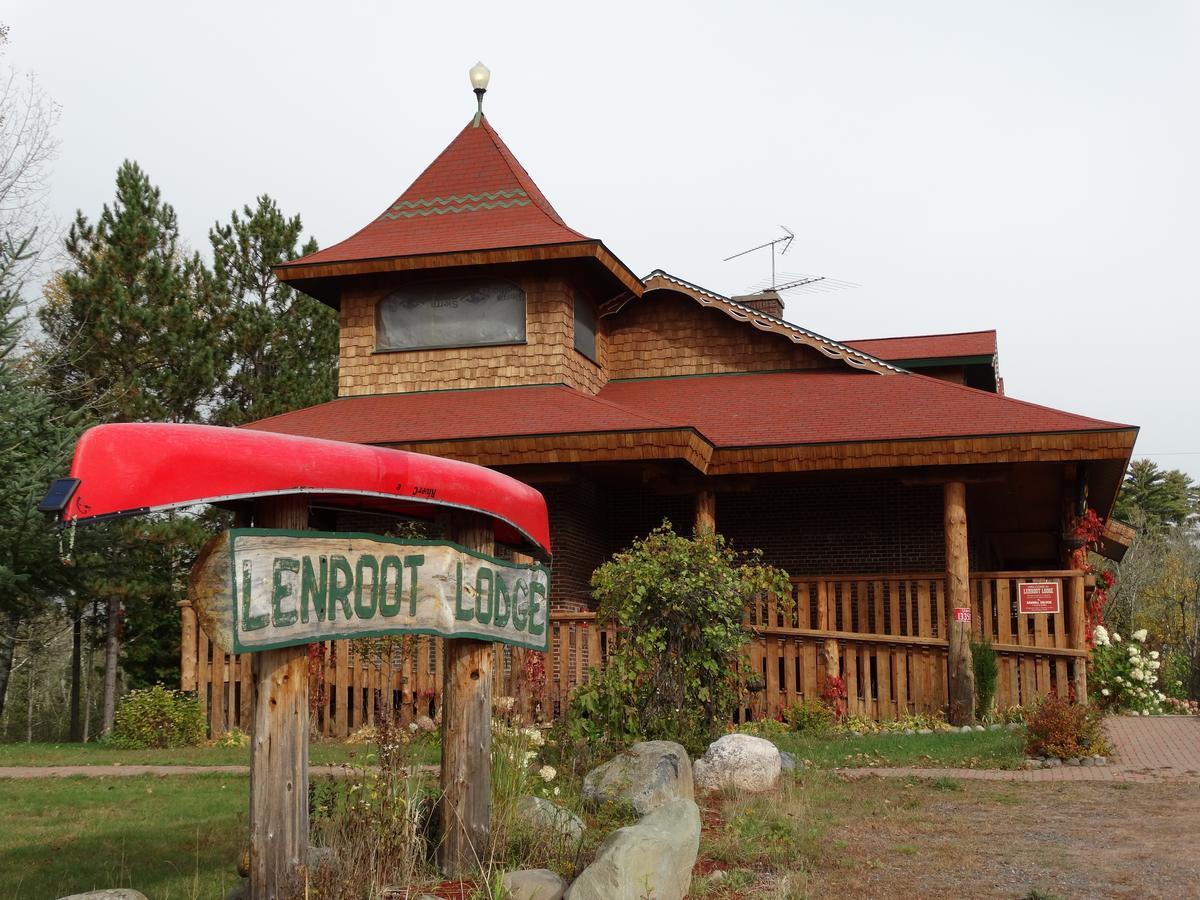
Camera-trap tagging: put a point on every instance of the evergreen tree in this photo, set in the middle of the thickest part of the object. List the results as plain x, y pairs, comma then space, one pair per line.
1156, 497
134, 333
282, 346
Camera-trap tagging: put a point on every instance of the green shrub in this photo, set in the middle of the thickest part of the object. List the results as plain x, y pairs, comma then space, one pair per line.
983, 660
764, 728
1057, 727
811, 717
157, 717
676, 672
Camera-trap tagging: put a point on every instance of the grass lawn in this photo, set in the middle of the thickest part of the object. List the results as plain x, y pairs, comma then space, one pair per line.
319, 753
976, 750
171, 838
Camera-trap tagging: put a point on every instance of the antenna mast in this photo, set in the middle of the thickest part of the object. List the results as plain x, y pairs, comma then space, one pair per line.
786, 240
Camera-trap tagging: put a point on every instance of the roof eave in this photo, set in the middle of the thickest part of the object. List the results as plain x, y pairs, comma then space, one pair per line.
321, 280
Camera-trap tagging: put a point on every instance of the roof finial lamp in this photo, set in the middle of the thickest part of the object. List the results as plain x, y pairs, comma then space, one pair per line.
480, 76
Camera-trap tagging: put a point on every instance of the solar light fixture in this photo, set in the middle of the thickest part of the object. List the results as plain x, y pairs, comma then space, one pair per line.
480, 76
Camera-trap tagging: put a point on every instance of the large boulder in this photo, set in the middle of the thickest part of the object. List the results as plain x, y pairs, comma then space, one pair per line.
653, 858
541, 815
740, 761
646, 776
108, 894
534, 884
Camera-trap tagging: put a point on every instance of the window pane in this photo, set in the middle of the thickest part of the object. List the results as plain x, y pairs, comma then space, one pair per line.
451, 314
585, 327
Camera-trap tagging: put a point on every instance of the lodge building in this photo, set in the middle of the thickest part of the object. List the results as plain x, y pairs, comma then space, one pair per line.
476, 324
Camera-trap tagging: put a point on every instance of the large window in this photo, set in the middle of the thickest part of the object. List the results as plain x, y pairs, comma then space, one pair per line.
467, 313
585, 327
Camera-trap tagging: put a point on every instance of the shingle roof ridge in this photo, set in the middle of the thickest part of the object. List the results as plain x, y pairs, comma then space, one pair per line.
751, 311
661, 423
908, 337
988, 396
525, 179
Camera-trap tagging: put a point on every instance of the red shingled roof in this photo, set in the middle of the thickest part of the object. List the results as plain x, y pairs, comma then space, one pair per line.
928, 346
474, 196
805, 407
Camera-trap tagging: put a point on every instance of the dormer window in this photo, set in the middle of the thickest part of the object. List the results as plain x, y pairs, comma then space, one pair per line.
585, 327
462, 313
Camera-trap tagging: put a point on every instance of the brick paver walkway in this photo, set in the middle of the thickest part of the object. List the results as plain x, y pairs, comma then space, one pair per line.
1157, 748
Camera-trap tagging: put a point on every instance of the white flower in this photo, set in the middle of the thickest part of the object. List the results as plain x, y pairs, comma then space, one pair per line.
1140, 635
1120, 680
1136, 675
1116, 637
412, 727
1104, 691
547, 773
1100, 636
1154, 664
556, 791
1154, 654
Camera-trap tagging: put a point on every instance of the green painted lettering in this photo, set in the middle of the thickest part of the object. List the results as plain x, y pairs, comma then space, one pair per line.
341, 583
281, 590
536, 589
520, 611
502, 609
314, 587
483, 616
365, 605
463, 615
249, 622
413, 562
389, 601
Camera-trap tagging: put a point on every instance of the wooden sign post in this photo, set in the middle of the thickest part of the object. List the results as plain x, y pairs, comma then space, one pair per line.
272, 591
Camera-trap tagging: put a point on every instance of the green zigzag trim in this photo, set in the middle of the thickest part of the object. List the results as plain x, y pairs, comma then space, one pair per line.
472, 198
467, 207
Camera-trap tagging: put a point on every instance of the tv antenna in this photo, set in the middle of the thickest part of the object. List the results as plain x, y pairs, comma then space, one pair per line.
792, 281
786, 240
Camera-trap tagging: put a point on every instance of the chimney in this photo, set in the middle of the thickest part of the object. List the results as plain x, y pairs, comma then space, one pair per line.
764, 301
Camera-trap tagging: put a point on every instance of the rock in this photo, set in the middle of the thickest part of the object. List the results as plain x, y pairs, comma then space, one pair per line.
995, 726
1073, 761
653, 858
647, 775
425, 723
924, 731
742, 761
787, 762
542, 814
980, 728
966, 729
1013, 726
534, 884
1101, 760
1053, 762
318, 856
909, 732
108, 894
1087, 761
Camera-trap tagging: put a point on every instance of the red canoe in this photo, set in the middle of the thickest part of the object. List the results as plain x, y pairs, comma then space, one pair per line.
123, 470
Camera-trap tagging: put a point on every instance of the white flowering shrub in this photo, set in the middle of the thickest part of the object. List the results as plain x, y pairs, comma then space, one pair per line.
1124, 675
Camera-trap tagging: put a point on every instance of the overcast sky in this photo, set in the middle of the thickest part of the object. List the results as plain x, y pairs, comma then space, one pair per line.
1032, 167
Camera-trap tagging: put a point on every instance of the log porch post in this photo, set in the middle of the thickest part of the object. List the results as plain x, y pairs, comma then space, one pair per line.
278, 743
706, 511
466, 804
187, 646
961, 674
1078, 620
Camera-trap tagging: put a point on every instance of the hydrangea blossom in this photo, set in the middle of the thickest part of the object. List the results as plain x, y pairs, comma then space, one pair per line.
1100, 636
1140, 635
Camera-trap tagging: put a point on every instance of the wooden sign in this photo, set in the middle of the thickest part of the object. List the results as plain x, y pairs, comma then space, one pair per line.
260, 589
1039, 597
962, 614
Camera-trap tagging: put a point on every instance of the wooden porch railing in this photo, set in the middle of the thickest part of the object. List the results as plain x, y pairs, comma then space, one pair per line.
884, 635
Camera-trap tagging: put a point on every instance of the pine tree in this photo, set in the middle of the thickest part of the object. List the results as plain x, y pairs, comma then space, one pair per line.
282, 346
135, 333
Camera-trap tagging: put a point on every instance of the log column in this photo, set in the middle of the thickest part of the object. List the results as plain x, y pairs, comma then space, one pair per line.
187, 646
958, 595
706, 511
466, 804
1078, 622
279, 744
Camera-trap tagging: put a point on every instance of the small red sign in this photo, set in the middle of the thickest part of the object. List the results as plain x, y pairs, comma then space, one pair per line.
962, 614
1039, 597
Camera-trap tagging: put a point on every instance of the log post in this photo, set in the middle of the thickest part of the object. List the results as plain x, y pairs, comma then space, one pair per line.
1078, 620
706, 511
466, 804
958, 596
278, 744
520, 683
829, 651
187, 646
